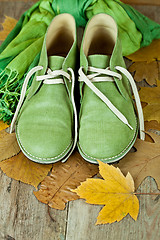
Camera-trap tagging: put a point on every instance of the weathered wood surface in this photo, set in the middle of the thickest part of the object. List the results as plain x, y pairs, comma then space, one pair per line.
82, 217
22, 217
137, 2
142, 2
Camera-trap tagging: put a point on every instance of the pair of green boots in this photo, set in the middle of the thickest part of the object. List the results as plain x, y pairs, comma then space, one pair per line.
46, 124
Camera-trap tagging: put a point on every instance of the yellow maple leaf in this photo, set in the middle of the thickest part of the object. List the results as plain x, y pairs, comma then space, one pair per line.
21, 168
151, 96
116, 192
148, 54
8, 24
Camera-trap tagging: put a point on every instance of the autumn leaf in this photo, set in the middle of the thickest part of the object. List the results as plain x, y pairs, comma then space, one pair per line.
8, 145
147, 71
55, 190
3, 125
144, 162
116, 192
147, 54
151, 125
152, 97
22, 169
8, 25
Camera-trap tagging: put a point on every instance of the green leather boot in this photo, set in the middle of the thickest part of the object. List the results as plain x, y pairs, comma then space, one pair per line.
108, 124
46, 127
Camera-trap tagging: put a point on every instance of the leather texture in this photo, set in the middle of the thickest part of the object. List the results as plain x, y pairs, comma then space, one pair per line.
45, 124
102, 136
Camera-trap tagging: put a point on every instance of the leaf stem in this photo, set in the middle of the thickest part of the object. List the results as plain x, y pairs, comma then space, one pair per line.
147, 193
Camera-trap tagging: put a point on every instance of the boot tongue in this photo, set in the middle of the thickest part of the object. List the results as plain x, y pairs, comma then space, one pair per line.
55, 62
98, 61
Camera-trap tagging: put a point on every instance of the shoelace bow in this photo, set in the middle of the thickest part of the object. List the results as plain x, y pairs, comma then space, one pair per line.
49, 78
95, 77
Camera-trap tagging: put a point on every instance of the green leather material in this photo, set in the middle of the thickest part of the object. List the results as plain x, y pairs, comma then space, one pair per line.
42, 62
45, 123
102, 136
116, 60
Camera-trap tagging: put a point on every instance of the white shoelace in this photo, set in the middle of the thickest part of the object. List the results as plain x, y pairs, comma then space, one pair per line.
49, 78
95, 77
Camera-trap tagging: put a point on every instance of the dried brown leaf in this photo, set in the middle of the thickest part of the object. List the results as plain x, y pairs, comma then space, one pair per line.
147, 71
151, 96
147, 54
144, 162
8, 145
152, 125
21, 168
56, 189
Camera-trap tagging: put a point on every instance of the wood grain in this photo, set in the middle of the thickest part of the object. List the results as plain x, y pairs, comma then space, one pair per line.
143, 2
82, 217
13, 9
137, 2
23, 217
25, 1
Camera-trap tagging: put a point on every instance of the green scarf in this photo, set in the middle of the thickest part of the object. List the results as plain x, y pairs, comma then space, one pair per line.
21, 50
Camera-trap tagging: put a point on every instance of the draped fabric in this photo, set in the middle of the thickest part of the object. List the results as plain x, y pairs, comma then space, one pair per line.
21, 50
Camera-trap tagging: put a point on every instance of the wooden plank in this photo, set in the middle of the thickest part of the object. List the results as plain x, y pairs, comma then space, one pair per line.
25, 1
22, 216
153, 12
143, 2
13, 9
136, 2
82, 217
